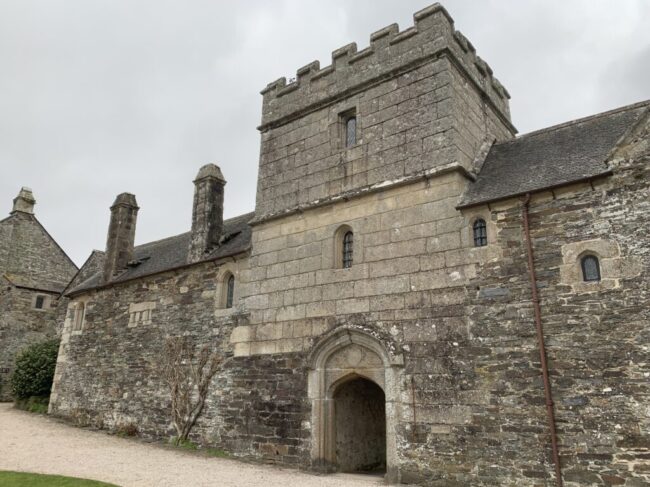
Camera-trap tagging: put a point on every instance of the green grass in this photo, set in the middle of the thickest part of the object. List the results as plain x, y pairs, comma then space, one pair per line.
33, 404
20, 479
184, 444
190, 445
216, 452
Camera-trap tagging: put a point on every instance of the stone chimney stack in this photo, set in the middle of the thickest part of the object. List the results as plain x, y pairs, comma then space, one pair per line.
24, 202
121, 235
207, 211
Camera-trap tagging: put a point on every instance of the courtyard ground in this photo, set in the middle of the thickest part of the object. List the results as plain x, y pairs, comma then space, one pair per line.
36, 443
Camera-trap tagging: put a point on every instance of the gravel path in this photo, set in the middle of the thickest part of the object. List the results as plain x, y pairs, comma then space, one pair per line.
39, 444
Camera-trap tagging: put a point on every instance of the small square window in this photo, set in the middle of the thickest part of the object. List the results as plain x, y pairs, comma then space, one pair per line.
40, 302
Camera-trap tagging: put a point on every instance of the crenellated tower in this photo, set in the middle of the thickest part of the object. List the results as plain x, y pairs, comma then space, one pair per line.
418, 101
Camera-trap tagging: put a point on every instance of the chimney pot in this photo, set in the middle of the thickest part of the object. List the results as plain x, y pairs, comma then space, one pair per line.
24, 202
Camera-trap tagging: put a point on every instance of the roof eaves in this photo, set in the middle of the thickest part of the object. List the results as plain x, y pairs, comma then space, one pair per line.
604, 173
161, 271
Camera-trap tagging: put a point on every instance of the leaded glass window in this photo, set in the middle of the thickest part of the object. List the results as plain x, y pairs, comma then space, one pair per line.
347, 250
590, 268
350, 131
480, 233
230, 291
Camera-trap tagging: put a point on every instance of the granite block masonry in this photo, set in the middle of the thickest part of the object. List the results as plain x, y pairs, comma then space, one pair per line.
375, 312
33, 272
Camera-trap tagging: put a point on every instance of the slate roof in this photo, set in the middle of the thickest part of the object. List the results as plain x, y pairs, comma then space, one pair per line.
170, 253
555, 156
33, 282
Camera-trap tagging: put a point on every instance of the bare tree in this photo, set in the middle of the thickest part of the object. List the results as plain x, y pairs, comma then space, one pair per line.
188, 375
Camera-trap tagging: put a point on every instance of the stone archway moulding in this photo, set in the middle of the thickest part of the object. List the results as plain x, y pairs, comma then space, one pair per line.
342, 355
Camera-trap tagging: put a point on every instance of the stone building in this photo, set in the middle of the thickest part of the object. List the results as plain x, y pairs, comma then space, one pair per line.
386, 306
34, 270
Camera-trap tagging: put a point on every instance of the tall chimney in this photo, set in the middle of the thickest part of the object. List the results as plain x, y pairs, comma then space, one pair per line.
207, 212
121, 235
24, 202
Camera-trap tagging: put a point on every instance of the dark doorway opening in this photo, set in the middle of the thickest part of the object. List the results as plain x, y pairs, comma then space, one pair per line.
360, 427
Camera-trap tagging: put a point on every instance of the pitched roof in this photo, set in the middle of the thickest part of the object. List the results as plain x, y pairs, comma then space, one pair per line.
30, 257
555, 156
171, 253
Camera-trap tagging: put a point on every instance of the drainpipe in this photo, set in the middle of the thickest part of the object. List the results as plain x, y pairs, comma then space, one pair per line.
540, 339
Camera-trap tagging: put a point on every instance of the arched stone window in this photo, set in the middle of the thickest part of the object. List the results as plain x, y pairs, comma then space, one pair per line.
347, 250
590, 268
230, 290
78, 320
480, 233
343, 247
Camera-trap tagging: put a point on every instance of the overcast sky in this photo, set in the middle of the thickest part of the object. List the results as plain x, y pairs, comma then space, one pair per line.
102, 97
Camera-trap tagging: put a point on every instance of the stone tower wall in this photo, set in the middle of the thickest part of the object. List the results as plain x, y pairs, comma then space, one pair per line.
423, 100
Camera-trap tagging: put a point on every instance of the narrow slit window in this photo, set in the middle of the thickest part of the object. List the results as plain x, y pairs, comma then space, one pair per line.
79, 316
230, 291
590, 268
348, 240
480, 233
351, 131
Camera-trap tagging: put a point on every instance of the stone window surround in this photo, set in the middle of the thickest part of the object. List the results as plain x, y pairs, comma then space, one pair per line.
471, 216
322, 384
613, 266
47, 302
342, 123
78, 316
478, 226
141, 313
221, 293
339, 235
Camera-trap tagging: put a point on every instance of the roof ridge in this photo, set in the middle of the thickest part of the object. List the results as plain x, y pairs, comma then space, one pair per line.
238, 217
576, 121
164, 239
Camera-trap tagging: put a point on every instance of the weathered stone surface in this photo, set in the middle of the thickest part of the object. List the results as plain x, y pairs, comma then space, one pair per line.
444, 328
32, 266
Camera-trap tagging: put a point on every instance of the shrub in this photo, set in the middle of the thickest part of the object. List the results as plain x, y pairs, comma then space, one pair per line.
34, 370
33, 404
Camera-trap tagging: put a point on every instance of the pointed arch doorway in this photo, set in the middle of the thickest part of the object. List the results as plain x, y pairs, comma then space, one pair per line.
353, 384
359, 428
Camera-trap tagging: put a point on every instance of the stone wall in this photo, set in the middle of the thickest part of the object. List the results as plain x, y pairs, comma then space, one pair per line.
445, 329
465, 402
31, 265
22, 325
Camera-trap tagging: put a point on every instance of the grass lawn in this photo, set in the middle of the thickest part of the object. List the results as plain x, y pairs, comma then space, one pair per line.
20, 479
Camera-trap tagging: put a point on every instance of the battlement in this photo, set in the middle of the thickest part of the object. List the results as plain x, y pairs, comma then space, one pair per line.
391, 51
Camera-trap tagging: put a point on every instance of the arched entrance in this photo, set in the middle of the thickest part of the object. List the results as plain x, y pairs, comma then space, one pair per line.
360, 426
353, 388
